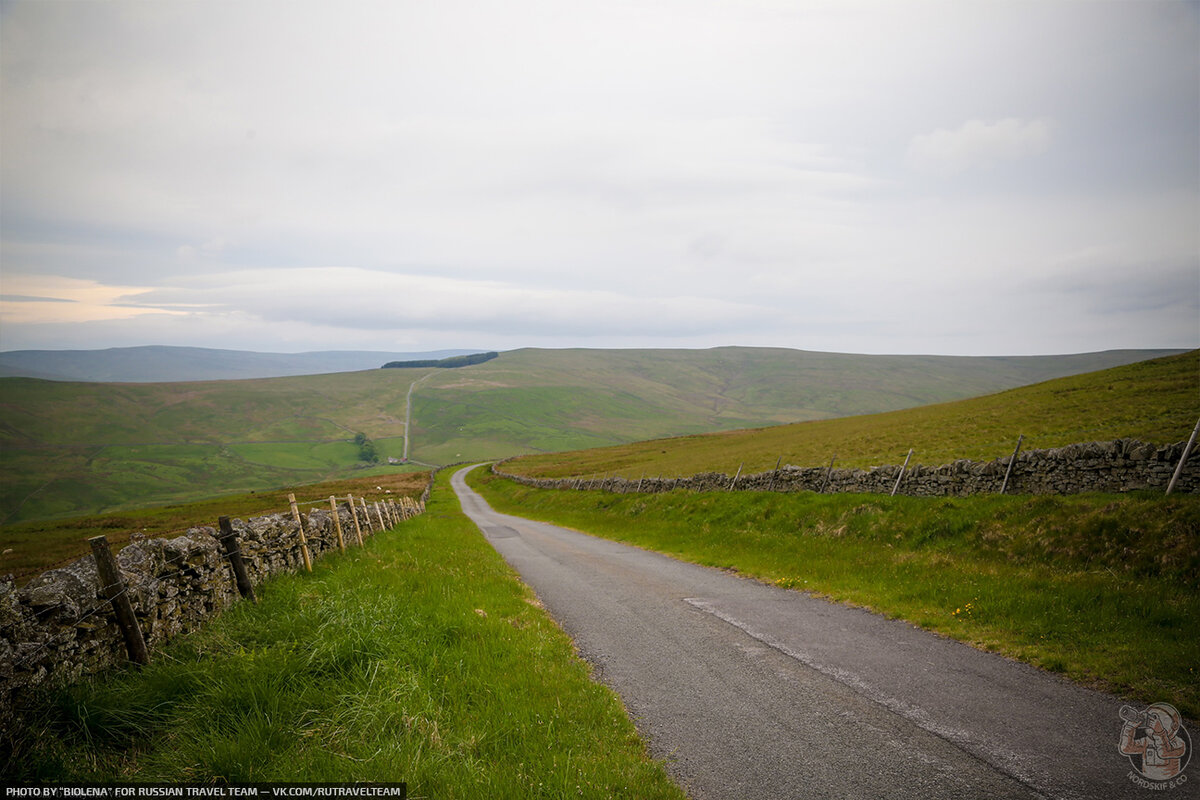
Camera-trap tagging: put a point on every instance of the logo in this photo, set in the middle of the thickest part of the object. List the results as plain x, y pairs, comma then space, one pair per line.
1157, 744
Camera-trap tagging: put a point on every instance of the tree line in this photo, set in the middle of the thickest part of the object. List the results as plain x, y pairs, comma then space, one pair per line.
446, 363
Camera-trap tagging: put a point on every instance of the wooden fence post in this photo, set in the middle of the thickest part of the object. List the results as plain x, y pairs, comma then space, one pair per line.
774, 474
337, 523
114, 590
354, 515
1187, 451
828, 474
379, 514
303, 538
1011, 461
733, 482
233, 550
362, 501
901, 475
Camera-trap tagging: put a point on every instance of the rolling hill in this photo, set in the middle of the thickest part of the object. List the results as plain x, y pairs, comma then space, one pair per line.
1156, 401
76, 448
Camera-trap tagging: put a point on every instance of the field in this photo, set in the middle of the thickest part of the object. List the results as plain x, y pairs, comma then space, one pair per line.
1156, 401
32, 547
420, 658
85, 448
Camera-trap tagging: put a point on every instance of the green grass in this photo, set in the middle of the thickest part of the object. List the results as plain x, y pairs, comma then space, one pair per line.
80, 448
420, 659
1156, 401
1102, 588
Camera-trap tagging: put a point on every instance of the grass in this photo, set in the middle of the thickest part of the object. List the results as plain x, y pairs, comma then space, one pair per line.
1156, 401
420, 658
1104, 589
29, 548
83, 448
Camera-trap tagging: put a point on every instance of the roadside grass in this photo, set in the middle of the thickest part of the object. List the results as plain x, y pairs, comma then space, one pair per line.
1104, 589
1155, 401
421, 658
29, 548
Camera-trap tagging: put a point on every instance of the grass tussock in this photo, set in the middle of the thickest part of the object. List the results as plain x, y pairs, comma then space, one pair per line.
1102, 588
420, 658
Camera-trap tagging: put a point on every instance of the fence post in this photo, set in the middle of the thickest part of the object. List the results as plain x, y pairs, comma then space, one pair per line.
1012, 461
233, 550
378, 513
828, 475
354, 516
735, 477
337, 523
362, 501
114, 590
303, 538
901, 475
774, 474
1187, 451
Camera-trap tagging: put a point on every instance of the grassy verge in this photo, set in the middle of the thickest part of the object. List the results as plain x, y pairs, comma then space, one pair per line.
421, 659
1102, 588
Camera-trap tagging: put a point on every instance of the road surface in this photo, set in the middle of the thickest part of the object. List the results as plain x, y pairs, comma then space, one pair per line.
750, 691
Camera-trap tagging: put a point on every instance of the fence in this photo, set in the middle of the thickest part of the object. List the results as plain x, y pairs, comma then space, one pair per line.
1117, 466
76, 620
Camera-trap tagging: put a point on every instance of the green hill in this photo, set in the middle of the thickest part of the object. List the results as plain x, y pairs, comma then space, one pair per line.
1156, 401
77, 448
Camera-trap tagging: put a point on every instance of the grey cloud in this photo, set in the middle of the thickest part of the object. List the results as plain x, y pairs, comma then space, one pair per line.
662, 170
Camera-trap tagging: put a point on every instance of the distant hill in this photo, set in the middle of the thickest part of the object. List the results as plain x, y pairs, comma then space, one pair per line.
158, 364
75, 448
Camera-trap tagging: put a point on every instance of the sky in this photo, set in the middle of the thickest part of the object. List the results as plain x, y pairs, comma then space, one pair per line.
959, 178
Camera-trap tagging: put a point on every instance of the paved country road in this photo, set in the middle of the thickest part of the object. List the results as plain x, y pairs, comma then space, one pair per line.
751, 691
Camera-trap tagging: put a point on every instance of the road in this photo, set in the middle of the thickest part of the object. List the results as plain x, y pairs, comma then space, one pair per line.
751, 691
408, 412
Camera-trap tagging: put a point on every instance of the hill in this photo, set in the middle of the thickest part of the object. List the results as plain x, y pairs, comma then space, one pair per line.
76, 448
162, 364
1156, 401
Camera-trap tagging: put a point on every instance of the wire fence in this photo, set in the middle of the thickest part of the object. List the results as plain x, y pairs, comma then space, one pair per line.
41, 620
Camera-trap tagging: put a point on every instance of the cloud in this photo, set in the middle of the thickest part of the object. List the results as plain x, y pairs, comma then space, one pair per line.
366, 300
977, 144
616, 173
59, 299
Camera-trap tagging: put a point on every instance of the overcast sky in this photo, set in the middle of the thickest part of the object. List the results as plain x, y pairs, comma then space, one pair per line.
974, 178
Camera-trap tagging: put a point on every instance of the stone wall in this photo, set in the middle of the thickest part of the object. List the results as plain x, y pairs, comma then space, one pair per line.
1118, 466
58, 627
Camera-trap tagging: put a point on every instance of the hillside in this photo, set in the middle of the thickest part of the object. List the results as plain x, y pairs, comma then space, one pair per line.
553, 400
1156, 401
160, 364
76, 448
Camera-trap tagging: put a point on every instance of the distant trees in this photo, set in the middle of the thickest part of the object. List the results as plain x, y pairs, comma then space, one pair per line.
366, 448
444, 363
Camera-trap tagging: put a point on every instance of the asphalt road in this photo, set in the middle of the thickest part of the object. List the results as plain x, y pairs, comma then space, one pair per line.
751, 691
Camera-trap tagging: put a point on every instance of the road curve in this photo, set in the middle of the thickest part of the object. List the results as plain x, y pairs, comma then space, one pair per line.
750, 691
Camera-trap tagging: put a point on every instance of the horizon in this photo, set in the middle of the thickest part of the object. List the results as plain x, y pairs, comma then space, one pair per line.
473, 350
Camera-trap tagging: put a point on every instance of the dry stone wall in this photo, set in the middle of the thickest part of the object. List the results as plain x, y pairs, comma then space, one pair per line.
58, 627
1117, 466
